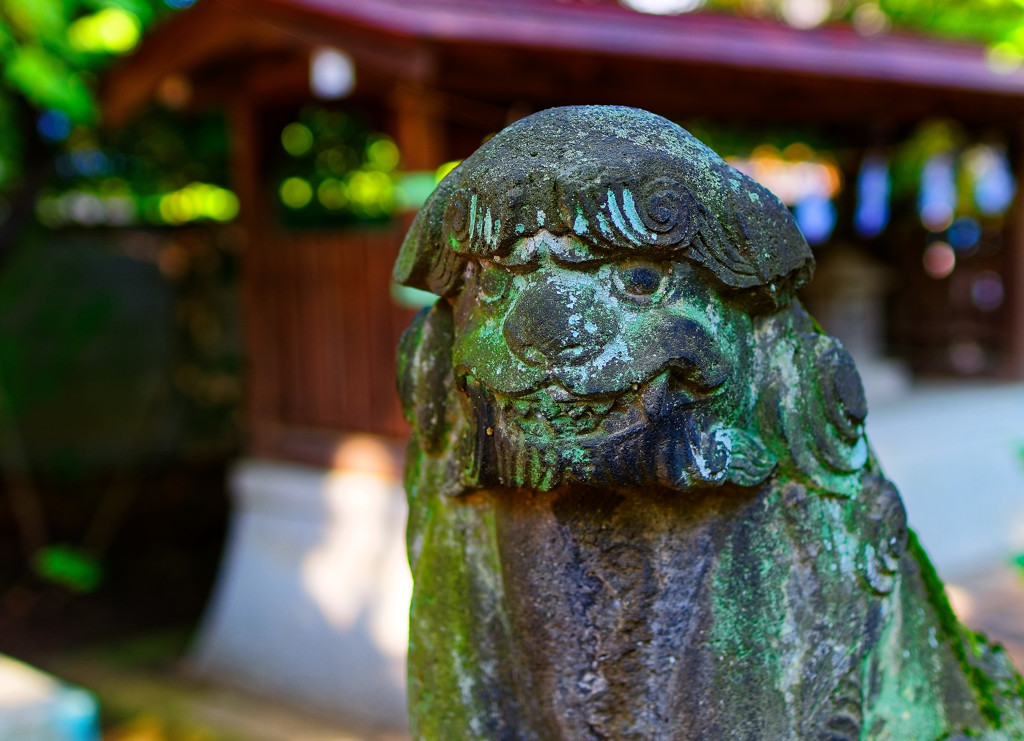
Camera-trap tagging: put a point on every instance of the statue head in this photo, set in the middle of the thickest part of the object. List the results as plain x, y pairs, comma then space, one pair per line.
610, 294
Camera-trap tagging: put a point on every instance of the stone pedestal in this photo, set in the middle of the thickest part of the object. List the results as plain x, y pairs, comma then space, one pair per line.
312, 600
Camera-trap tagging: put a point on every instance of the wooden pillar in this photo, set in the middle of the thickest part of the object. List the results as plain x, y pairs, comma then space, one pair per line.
419, 126
257, 297
1013, 273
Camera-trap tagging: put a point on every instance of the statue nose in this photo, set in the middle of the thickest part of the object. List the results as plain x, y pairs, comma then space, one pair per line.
559, 324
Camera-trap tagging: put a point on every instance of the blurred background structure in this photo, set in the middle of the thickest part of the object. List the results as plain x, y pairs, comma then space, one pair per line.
195, 255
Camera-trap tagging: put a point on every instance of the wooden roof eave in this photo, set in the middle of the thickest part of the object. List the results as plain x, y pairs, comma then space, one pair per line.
213, 32
700, 38
403, 41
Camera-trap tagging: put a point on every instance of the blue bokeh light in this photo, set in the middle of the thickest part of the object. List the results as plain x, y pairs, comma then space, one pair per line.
54, 125
873, 189
816, 217
937, 199
83, 162
963, 233
995, 186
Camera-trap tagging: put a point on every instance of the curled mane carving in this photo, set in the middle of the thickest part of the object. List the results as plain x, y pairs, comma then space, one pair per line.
507, 190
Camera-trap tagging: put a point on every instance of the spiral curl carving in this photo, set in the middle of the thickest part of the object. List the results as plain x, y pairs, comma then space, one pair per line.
842, 392
823, 418
662, 213
669, 211
457, 218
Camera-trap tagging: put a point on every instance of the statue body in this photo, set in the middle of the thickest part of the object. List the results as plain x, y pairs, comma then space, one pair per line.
642, 505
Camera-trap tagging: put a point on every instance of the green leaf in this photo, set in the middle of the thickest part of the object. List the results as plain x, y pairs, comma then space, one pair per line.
48, 82
70, 567
40, 19
142, 9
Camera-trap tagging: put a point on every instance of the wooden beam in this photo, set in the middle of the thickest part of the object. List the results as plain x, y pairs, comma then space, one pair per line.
419, 126
258, 305
680, 90
184, 44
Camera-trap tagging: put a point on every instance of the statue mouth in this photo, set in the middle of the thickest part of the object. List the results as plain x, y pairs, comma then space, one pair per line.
659, 432
552, 412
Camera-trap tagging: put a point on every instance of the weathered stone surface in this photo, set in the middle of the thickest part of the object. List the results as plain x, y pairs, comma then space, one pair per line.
641, 501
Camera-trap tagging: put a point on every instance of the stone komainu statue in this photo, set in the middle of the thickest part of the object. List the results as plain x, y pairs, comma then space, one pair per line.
642, 505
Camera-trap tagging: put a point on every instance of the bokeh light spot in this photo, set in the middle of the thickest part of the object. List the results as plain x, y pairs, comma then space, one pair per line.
444, 169
873, 191
54, 125
663, 7
805, 13
987, 291
331, 194
297, 139
175, 91
869, 19
792, 179
964, 233
220, 204
937, 198
967, 358
296, 192
816, 217
993, 182
382, 154
198, 201
413, 189
332, 74
112, 30
1004, 58
939, 260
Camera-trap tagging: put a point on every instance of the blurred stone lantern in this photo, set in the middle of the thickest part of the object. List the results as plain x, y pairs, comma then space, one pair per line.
847, 297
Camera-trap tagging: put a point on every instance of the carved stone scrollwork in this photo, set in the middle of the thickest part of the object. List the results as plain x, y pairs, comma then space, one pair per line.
822, 413
661, 212
884, 531
458, 216
846, 719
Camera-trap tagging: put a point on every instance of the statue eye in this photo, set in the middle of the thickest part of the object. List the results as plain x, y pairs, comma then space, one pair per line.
639, 279
493, 282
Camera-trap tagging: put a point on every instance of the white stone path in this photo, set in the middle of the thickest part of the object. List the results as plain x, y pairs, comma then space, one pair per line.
956, 453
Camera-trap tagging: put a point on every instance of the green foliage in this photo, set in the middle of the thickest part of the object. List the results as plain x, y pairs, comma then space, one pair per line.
49, 53
70, 567
48, 82
983, 21
333, 169
32, 371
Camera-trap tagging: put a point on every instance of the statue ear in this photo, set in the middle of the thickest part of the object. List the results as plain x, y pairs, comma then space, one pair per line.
819, 405
431, 402
425, 382
426, 260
